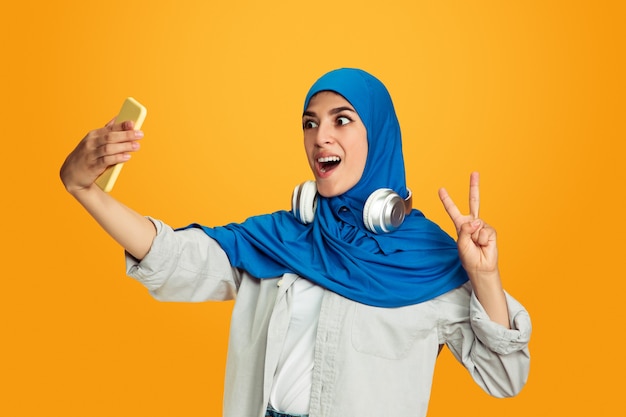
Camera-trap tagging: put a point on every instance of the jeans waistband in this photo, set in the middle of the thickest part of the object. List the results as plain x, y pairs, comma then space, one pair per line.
273, 413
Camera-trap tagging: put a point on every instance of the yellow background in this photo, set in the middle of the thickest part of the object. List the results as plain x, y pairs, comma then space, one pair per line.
530, 93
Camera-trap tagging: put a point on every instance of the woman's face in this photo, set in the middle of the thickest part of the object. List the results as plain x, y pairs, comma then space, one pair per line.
335, 140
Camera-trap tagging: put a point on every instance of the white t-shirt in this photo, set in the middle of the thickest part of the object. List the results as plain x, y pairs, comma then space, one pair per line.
291, 391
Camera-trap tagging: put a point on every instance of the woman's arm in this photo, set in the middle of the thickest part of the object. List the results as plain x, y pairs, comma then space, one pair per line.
479, 253
99, 149
185, 265
497, 357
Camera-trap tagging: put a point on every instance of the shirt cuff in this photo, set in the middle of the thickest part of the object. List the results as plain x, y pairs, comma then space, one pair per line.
497, 337
149, 270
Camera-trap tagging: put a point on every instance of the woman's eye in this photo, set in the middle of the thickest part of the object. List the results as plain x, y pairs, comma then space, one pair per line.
343, 120
309, 124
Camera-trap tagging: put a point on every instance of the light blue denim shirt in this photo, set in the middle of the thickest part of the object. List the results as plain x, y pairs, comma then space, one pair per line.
369, 361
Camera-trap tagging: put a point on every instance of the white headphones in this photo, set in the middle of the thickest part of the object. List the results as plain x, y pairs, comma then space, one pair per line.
384, 210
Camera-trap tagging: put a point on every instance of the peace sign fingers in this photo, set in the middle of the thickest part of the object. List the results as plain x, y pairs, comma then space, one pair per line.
451, 209
474, 195
474, 204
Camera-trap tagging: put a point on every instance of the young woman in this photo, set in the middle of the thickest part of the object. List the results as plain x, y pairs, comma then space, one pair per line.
343, 303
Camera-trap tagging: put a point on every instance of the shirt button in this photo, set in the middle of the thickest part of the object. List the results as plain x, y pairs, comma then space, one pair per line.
279, 283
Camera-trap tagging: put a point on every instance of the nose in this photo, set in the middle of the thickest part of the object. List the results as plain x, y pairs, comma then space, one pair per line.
325, 134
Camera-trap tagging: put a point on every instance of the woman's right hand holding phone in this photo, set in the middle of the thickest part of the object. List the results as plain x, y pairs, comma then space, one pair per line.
99, 149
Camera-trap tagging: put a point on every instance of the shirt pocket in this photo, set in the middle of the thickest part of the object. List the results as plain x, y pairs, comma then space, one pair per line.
390, 333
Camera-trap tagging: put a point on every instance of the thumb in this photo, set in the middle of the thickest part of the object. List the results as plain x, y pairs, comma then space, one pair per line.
110, 123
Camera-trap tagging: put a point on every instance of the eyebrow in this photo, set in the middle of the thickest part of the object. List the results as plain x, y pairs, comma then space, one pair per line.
332, 111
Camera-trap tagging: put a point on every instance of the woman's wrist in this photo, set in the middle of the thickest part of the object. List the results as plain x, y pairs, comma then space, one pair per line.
488, 289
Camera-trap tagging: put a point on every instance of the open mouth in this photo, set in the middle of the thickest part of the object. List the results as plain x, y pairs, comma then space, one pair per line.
328, 163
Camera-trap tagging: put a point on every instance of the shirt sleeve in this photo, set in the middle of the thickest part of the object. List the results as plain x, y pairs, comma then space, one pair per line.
185, 265
497, 358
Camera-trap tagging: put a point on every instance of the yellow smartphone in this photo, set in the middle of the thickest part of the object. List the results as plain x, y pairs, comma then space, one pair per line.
131, 110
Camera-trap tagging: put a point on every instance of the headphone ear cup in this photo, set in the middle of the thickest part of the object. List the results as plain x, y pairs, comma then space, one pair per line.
304, 201
384, 211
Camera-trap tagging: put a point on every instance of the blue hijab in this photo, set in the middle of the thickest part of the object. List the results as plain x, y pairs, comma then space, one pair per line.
415, 263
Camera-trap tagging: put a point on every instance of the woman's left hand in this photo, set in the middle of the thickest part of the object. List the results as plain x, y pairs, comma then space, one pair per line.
476, 239
479, 253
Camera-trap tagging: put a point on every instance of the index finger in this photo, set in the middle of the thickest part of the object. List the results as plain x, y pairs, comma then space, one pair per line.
474, 195
451, 208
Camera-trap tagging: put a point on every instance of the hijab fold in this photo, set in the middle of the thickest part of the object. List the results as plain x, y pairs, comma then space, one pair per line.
415, 263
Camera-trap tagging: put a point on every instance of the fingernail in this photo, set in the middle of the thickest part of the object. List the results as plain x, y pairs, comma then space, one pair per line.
476, 223
138, 134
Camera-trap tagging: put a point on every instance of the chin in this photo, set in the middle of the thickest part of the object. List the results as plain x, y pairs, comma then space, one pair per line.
326, 194
327, 190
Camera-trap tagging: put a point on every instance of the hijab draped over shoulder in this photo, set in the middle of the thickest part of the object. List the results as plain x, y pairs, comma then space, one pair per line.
412, 264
